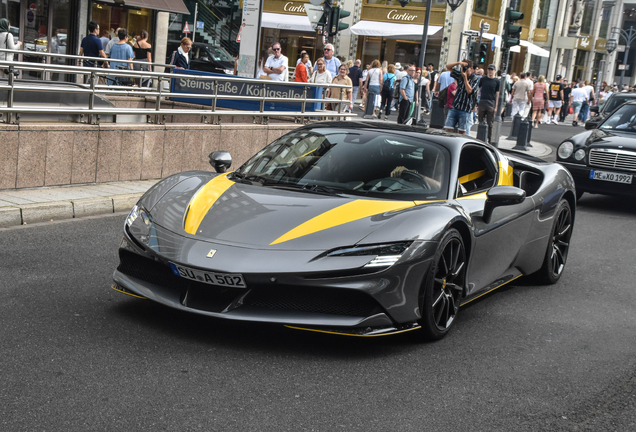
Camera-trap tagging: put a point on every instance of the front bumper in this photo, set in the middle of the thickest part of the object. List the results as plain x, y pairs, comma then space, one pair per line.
383, 299
581, 175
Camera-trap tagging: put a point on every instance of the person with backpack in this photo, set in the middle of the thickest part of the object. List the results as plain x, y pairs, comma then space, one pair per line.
387, 91
407, 93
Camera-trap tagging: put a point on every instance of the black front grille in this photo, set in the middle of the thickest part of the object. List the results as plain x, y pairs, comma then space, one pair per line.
314, 300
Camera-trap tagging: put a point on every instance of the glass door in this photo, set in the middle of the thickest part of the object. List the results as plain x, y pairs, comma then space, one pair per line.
59, 25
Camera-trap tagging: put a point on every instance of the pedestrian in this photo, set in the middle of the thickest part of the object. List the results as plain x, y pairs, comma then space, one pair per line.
372, 87
426, 92
113, 41
451, 91
579, 96
334, 92
526, 111
387, 91
439, 91
331, 62
555, 100
320, 76
301, 73
91, 46
489, 98
585, 109
260, 73
121, 51
307, 63
105, 39
355, 74
539, 99
432, 74
407, 93
565, 107
365, 72
6, 42
277, 66
181, 56
399, 74
143, 53
520, 94
465, 96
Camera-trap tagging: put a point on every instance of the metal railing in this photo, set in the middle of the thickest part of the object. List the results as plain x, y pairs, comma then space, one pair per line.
156, 114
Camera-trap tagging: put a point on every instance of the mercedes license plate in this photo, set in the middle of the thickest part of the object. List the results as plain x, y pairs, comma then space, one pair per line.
220, 279
610, 176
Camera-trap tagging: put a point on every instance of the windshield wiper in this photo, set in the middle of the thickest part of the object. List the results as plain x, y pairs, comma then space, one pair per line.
250, 178
318, 189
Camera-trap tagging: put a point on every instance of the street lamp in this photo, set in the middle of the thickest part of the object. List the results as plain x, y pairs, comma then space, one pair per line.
629, 37
454, 4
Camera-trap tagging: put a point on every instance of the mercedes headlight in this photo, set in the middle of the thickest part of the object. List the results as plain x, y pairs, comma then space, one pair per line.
579, 154
565, 150
384, 255
229, 71
139, 223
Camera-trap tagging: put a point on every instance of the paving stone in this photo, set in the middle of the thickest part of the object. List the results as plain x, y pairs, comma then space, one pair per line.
10, 216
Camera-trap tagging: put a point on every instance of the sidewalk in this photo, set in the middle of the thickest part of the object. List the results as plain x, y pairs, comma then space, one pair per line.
26, 206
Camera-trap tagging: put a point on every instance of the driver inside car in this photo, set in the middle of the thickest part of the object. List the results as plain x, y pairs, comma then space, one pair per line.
398, 172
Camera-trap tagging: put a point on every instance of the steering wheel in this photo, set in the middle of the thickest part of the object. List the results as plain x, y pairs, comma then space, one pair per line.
415, 178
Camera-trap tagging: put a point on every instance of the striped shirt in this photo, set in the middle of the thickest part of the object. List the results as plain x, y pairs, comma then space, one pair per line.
464, 101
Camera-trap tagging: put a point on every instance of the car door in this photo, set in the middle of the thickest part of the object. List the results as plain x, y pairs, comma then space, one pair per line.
497, 243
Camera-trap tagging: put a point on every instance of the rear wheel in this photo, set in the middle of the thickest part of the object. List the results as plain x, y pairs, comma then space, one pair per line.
443, 287
557, 253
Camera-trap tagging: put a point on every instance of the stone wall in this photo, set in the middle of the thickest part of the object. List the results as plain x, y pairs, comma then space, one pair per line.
34, 155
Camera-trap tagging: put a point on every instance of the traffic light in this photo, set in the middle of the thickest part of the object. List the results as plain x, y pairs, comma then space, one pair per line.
483, 53
327, 7
471, 50
512, 32
335, 25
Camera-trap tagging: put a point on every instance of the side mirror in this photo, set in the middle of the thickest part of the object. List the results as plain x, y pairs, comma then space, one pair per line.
590, 125
594, 109
502, 196
220, 161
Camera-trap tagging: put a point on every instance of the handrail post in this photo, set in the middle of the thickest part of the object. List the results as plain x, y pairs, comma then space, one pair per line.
216, 94
342, 90
262, 101
158, 101
11, 80
91, 97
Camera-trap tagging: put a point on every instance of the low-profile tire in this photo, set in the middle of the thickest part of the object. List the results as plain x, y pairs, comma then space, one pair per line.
558, 246
443, 287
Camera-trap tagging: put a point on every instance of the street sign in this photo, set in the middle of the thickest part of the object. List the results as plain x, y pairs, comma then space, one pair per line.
200, 25
316, 2
621, 67
314, 13
186, 28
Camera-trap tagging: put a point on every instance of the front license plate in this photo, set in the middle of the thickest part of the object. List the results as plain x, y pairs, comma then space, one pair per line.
610, 176
220, 279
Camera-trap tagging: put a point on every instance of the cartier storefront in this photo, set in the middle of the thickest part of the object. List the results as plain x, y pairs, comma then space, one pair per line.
388, 31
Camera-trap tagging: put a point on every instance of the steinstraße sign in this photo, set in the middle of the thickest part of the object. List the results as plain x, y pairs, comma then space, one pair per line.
234, 88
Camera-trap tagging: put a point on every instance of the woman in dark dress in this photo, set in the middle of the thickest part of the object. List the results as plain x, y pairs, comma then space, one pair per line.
143, 53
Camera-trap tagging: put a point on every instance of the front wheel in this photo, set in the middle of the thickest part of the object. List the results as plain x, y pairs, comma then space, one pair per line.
558, 247
443, 287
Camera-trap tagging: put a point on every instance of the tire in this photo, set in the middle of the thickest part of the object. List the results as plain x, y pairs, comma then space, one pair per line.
558, 246
443, 287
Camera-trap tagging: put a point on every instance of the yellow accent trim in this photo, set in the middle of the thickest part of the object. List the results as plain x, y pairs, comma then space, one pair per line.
349, 212
498, 286
481, 195
349, 334
506, 175
471, 176
127, 293
203, 200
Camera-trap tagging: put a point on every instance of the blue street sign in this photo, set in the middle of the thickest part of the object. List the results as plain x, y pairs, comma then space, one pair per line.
200, 24
492, 45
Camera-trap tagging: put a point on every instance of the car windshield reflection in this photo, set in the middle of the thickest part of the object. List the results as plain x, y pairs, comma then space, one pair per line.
624, 119
361, 162
615, 102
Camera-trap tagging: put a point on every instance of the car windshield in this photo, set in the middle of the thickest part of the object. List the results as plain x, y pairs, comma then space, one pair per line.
219, 54
363, 162
624, 119
616, 101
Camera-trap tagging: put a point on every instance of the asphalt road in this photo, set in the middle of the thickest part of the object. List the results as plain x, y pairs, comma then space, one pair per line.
78, 356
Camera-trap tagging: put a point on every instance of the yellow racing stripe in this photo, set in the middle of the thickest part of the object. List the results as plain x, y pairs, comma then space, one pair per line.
471, 176
349, 212
203, 200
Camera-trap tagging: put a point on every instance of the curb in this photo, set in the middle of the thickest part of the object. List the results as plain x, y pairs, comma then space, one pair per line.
71, 209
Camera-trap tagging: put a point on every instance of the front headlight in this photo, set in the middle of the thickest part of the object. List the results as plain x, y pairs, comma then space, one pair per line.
579, 154
565, 150
229, 71
385, 254
139, 224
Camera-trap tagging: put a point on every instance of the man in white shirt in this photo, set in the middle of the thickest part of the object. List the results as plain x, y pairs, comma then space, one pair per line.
578, 97
276, 66
528, 107
332, 64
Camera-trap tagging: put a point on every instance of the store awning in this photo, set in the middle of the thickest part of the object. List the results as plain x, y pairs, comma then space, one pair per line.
377, 28
174, 6
531, 48
286, 22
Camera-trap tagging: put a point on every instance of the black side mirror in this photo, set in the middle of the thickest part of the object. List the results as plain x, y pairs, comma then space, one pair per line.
590, 125
502, 196
221, 161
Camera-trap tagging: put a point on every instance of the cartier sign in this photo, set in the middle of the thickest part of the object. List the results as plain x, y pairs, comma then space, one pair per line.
395, 15
285, 7
291, 7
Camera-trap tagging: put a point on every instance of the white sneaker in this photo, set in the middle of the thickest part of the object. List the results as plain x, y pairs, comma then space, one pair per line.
555, 122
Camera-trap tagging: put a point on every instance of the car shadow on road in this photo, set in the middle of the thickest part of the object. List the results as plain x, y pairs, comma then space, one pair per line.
605, 204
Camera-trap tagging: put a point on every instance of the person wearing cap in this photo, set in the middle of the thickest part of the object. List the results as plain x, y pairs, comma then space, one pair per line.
555, 100
489, 96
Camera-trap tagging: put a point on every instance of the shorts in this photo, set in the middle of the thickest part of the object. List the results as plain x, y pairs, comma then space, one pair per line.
576, 107
459, 118
555, 104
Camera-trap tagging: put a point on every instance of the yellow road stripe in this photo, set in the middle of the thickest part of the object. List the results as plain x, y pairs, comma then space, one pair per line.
349, 212
203, 200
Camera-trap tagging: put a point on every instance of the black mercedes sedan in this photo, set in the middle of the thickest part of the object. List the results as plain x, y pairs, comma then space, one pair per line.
613, 102
603, 160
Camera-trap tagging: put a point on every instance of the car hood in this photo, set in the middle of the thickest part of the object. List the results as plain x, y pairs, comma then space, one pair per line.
224, 212
614, 139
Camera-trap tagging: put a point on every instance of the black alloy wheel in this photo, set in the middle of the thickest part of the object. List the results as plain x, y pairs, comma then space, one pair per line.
444, 287
558, 247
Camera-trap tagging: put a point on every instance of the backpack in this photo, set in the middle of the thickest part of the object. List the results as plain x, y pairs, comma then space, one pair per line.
396, 89
386, 87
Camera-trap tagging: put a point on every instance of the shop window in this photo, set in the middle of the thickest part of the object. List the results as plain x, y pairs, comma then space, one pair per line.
588, 13
110, 18
544, 14
484, 7
605, 21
